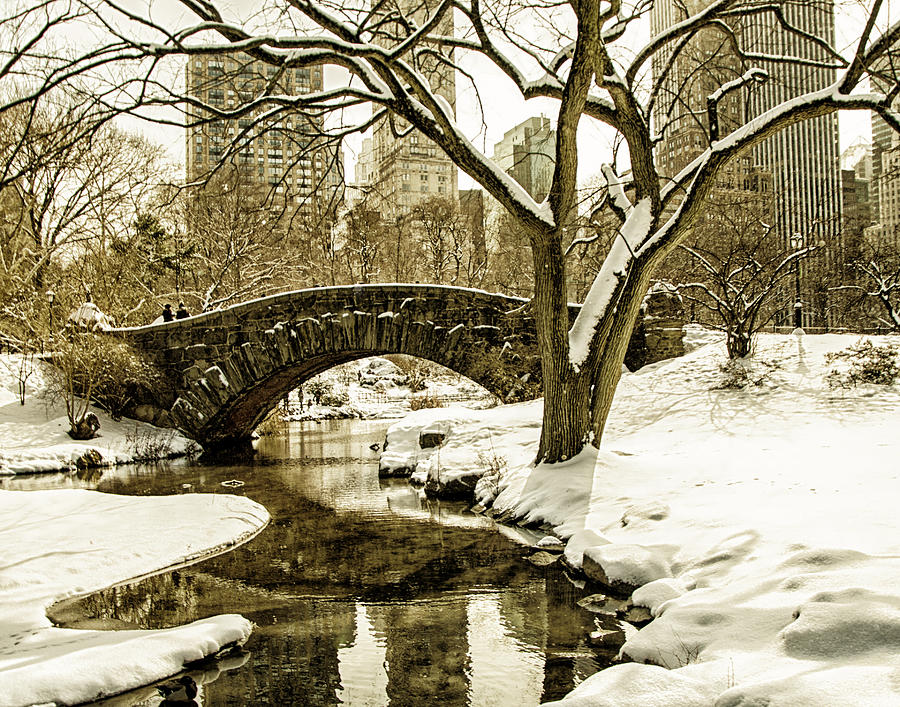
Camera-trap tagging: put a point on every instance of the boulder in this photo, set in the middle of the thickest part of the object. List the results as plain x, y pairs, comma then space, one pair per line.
430, 439
623, 568
89, 458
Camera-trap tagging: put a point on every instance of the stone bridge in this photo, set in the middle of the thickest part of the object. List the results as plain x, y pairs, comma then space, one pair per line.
223, 371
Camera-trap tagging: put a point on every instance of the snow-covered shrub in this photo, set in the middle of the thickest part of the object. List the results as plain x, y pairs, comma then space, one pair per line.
420, 402
738, 373
864, 362
97, 369
381, 372
335, 397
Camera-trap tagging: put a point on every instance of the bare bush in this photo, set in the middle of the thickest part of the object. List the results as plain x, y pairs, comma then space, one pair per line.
863, 362
148, 444
417, 371
739, 373
95, 369
428, 400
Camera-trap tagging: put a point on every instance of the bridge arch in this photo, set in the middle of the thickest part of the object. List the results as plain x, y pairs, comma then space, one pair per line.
225, 370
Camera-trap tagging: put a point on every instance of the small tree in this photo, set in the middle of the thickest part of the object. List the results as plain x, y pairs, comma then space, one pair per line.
877, 270
735, 272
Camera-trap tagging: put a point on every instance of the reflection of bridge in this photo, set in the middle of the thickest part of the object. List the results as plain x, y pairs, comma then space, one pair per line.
225, 370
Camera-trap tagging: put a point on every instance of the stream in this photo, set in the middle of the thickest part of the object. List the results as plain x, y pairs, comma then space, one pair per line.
363, 592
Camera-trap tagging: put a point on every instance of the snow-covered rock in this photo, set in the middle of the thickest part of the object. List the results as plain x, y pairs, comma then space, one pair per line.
624, 567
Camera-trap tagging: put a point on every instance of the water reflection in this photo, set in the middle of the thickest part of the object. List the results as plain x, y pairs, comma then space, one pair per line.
363, 592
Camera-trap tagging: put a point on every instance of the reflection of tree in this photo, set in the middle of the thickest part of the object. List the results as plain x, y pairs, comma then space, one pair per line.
301, 579
157, 602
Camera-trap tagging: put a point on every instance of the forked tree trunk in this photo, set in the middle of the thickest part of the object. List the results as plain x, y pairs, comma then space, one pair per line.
577, 402
567, 419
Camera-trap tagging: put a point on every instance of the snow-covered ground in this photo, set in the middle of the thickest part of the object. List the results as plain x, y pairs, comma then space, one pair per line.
762, 523
33, 436
71, 542
368, 390
65, 543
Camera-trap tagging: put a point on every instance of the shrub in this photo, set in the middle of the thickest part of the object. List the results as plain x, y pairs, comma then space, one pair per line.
428, 400
416, 370
149, 445
335, 397
97, 369
863, 362
738, 373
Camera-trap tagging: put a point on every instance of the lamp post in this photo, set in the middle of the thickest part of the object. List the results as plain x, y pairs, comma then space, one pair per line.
51, 298
796, 244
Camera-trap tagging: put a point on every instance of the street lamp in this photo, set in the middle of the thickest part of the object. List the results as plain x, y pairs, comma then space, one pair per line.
796, 245
51, 298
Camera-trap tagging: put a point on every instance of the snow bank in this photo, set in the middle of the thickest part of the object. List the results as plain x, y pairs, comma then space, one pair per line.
33, 436
761, 522
473, 441
65, 543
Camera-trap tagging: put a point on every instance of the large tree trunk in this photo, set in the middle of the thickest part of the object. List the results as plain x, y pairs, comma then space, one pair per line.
567, 419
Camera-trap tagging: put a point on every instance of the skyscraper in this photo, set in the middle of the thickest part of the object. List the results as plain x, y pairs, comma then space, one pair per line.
527, 153
406, 167
885, 189
800, 163
286, 154
804, 158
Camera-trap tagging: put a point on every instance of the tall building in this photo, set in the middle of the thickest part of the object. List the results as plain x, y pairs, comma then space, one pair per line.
287, 155
405, 167
680, 109
799, 165
889, 193
804, 158
527, 153
856, 182
885, 188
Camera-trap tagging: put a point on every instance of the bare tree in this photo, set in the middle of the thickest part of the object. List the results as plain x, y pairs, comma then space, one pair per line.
580, 54
877, 267
364, 244
239, 245
741, 286
443, 235
64, 200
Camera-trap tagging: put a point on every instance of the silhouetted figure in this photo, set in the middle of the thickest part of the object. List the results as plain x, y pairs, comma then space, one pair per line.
168, 314
182, 312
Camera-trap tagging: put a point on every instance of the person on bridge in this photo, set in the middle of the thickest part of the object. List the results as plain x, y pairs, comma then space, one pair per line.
167, 314
182, 312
